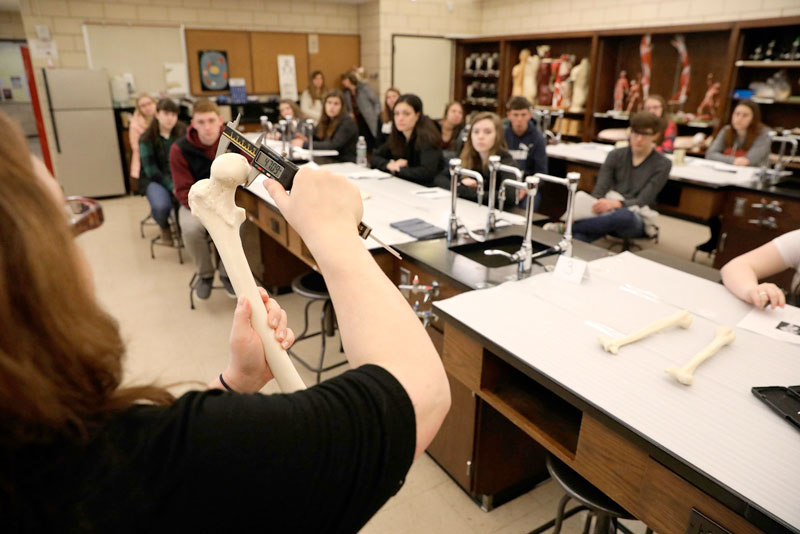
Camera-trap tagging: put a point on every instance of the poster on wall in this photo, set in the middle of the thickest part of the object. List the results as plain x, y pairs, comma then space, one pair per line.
287, 77
213, 69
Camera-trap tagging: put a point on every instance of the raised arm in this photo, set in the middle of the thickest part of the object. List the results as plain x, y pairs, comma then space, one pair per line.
377, 324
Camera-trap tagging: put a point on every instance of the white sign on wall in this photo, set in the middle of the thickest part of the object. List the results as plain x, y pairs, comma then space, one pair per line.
287, 77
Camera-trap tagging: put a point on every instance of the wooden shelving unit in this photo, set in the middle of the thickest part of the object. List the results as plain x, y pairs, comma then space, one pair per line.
719, 48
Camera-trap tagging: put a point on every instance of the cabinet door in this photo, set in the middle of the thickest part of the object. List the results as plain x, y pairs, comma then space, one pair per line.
453, 445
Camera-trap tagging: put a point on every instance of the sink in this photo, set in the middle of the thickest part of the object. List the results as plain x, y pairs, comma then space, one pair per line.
510, 244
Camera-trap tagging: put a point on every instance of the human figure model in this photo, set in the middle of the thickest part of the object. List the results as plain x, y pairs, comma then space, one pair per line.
562, 95
621, 91
580, 82
683, 91
529, 80
545, 92
518, 72
710, 105
635, 96
646, 54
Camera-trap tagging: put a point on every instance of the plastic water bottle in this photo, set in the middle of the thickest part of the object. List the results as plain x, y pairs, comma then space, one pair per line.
361, 151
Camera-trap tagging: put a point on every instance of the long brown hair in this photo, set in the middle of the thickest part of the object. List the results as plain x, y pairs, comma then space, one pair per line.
753, 129
296, 113
470, 159
316, 93
327, 125
386, 112
60, 352
425, 129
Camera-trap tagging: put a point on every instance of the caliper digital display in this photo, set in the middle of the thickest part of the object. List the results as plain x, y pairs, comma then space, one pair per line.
266, 160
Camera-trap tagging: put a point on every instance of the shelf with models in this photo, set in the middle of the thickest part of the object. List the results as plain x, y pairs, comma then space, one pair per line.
742, 63
490, 75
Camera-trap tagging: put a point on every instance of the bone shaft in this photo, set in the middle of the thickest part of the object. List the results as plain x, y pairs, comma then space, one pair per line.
652, 328
705, 353
232, 254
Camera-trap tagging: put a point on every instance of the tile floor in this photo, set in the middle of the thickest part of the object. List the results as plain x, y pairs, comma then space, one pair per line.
169, 343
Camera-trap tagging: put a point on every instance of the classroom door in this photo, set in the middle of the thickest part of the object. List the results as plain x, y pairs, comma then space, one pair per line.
431, 78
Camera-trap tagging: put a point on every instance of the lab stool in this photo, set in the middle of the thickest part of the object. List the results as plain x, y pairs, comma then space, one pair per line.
577, 488
312, 286
631, 243
175, 228
147, 221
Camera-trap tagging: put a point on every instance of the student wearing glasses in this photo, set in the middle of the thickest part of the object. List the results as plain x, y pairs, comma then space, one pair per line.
637, 173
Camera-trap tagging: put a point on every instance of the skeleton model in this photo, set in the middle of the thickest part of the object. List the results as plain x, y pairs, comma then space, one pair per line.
544, 91
212, 201
635, 96
646, 54
562, 94
580, 82
621, 91
710, 105
685, 70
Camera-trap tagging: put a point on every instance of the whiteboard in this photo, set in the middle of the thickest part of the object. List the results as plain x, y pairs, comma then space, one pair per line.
138, 49
424, 66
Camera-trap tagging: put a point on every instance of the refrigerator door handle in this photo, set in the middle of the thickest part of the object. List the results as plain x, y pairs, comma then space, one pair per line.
52, 113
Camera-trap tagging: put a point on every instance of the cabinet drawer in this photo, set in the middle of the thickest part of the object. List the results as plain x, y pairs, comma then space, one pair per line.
272, 223
771, 214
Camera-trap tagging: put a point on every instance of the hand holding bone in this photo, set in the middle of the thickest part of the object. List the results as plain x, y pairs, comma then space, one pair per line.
212, 201
681, 318
684, 375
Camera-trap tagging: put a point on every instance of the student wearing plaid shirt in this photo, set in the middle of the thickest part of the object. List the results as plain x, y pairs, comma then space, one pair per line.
155, 178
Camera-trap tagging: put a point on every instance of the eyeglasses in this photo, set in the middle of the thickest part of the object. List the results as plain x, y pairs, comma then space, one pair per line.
83, 214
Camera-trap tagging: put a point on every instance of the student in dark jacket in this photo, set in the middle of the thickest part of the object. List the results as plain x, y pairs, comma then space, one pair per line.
155, 178
413, 151
485, 139
450, 127
525, 142
336, 129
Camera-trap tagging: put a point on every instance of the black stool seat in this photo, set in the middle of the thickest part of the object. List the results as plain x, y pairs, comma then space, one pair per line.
582, 490
311, 286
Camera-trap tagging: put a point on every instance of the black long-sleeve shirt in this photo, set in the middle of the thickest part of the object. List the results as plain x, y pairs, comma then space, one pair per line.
344, 140
424, 161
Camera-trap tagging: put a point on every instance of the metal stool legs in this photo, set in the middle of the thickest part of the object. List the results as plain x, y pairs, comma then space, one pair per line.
327, 328
177, 238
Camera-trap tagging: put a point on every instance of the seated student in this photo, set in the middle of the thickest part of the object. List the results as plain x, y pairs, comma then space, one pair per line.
385, 118
143, 114
84, 450
656, 105
450, 127
741, 274
311, 99
155, 178
412, 151
525, 142
190, 159
363, 105
485, 139
745, 141
637, 173
336, 130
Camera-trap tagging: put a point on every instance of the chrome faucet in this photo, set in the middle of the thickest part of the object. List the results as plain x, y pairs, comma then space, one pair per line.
787, 141
456, 172
524, 255
494, 167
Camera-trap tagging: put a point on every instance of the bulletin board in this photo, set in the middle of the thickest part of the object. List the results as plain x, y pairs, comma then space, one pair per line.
235, 44
140, 50
429, 79
266, 47
337, 54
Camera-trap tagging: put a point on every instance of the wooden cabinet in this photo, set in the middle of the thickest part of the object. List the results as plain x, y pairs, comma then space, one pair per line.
483, 452
750, 219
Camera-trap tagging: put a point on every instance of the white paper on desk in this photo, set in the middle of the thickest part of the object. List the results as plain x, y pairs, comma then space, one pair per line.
583, 207
782, 324
353, 171
432, 192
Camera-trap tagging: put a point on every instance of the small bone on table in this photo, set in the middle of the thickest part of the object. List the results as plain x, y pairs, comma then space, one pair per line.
680, 318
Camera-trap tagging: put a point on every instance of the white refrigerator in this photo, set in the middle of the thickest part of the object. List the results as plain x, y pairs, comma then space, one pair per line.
87, 159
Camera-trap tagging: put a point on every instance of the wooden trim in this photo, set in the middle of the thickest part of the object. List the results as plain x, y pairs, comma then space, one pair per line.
462, 357
678, 28
734, 51
588, 119
760, 23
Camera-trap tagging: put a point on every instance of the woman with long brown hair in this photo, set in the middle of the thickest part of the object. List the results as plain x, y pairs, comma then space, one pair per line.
745, 141
385, 119
336, 129
450, 125
485, 139
413, 151
80, 452
311, 99
155, 178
